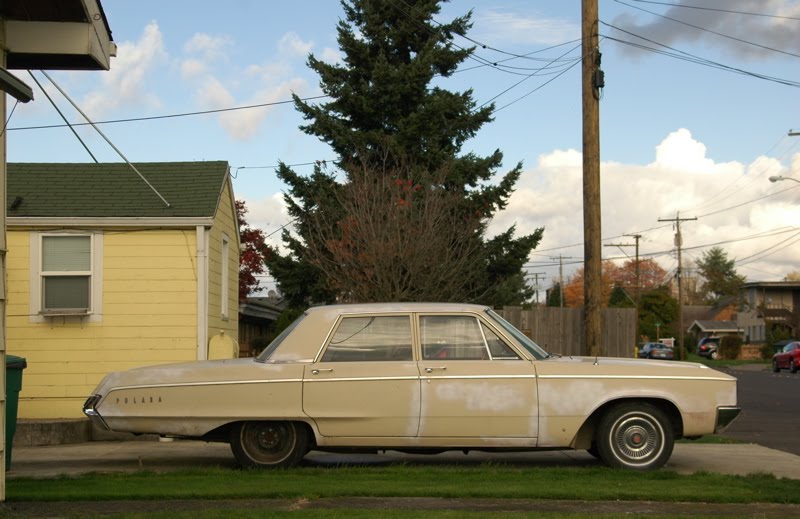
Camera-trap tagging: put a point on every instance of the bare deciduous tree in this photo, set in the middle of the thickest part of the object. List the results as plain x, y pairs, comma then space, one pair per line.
399, 238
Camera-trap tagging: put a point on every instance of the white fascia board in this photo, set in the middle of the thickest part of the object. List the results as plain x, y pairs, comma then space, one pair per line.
63, 38
178, 222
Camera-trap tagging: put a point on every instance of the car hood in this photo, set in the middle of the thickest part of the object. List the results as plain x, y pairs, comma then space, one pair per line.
624, 367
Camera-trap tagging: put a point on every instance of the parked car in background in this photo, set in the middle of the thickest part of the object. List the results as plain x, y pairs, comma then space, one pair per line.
789, 358
708, 347
421, 378
656, 350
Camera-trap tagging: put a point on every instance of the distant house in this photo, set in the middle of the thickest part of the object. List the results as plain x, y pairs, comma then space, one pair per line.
705, 329
257, 316
769, 307
106, 272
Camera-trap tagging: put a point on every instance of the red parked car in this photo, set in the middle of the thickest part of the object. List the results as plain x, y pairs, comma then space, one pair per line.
789, 358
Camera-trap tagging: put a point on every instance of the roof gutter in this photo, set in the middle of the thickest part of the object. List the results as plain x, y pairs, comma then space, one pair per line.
94, 221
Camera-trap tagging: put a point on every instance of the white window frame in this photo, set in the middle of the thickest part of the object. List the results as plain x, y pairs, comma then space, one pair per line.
36, 306
224, 264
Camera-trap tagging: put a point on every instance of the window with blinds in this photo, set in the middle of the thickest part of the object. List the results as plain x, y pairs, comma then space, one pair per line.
66, 271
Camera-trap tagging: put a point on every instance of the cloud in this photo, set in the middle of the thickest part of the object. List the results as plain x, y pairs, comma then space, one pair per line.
331, 56
126, 83
268, 214
292, 45
208, 46
726, 198
258, 83
777, 33
506, 26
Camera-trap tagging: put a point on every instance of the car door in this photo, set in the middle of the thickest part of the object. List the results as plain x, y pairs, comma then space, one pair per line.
365, 382
474, 385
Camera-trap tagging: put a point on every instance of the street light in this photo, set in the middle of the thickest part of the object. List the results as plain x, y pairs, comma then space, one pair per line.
778, 178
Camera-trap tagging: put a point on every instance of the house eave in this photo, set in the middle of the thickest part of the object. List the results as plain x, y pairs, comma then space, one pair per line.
39, 40
176, 222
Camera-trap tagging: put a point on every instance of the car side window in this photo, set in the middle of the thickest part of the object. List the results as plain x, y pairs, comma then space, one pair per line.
499, 349
371, 339
460, 337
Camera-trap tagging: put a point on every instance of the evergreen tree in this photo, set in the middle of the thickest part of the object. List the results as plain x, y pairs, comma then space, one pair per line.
385, 118
619, 298
719, 272
554, 295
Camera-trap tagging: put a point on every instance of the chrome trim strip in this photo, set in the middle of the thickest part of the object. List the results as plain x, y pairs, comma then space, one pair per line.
360, 379
217, 383
422, 377
637, 377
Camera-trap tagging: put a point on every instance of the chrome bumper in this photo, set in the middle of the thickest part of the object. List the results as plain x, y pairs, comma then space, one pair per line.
90, 410
725, 415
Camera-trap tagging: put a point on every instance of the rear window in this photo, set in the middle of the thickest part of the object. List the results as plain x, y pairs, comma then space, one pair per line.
270, 349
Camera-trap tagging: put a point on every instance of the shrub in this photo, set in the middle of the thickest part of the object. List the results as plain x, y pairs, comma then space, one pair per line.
766, 351
730, 347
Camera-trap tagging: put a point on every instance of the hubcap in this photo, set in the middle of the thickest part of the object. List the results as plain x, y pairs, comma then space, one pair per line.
637, 439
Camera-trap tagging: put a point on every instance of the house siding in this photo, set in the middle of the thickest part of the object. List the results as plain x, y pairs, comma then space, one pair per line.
224, 225
148, 317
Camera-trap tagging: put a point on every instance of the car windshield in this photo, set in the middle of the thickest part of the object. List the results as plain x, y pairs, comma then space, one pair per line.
270, 349
527, 343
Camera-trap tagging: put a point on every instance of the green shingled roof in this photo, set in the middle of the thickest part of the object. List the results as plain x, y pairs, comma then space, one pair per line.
114, 189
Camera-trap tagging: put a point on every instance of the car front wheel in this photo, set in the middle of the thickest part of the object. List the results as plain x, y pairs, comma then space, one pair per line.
268, 444
635, 436
792, 367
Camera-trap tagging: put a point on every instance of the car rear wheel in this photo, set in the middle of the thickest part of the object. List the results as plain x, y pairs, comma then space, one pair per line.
635, 435
775, 367
268, 444
792, 366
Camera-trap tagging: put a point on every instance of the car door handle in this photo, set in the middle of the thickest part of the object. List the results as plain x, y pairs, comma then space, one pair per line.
321, 370
430, 370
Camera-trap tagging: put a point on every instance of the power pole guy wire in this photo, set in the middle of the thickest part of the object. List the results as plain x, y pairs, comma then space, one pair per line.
75, 106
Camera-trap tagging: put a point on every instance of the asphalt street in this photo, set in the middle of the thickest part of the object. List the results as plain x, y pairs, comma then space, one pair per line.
770, 408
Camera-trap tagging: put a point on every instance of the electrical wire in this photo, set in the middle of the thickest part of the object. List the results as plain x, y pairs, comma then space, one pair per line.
170, 116
685, 6
8, 119
740, 40
685, 56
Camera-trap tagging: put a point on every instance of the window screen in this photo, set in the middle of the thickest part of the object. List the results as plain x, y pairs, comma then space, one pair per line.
66, 272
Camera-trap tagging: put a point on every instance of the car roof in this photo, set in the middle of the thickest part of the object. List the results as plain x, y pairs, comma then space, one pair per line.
399, 307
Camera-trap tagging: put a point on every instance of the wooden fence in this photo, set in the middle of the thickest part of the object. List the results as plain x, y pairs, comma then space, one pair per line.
560, 330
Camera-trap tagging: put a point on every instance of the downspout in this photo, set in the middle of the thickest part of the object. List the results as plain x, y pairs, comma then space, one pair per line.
202, 292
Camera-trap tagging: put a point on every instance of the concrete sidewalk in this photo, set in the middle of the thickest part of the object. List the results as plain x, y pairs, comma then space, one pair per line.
131, 456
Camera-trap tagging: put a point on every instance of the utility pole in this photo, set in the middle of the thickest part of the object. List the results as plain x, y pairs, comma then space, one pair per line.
592, 83
636, 237
679, 245
560, 259
536, 283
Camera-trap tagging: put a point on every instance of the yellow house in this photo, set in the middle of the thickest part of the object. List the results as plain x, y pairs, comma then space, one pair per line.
111, 268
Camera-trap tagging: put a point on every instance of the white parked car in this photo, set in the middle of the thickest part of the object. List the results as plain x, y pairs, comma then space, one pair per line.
420, 378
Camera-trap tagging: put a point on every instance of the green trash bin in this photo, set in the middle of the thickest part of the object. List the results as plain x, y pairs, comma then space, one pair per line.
14, 367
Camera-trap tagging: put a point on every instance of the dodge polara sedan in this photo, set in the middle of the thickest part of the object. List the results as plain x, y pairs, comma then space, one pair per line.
421, 378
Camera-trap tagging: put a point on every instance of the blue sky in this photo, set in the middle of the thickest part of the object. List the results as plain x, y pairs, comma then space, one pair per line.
675, 135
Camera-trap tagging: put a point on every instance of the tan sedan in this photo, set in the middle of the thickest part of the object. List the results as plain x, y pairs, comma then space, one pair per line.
422, 378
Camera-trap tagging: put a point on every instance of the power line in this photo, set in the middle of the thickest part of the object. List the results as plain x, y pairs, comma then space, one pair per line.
170, 116
685, 56
740, 40
685, 6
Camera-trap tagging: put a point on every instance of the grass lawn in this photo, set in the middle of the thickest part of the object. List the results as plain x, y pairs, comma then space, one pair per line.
480, 481
344, 513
